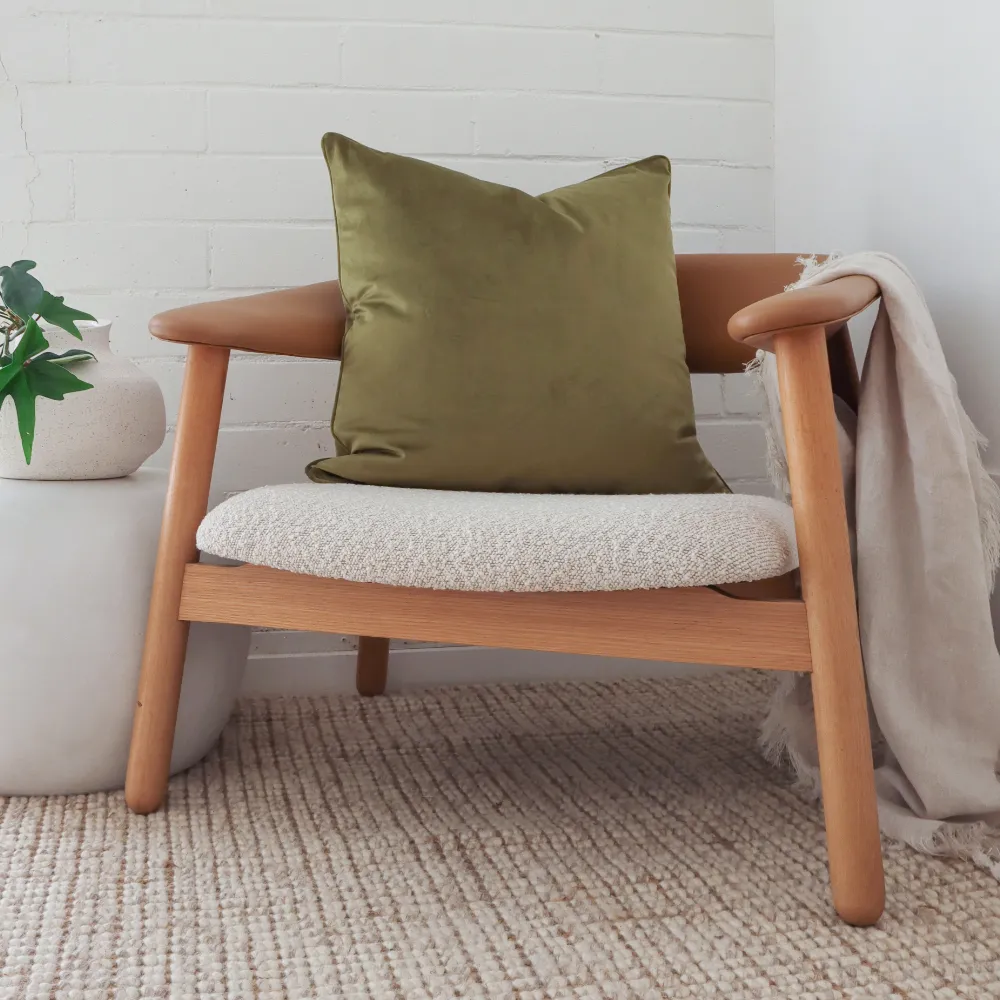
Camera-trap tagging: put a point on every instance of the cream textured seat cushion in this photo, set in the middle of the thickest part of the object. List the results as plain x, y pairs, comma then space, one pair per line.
449, 540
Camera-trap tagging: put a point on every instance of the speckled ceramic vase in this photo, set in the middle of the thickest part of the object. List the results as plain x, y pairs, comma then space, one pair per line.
100, 433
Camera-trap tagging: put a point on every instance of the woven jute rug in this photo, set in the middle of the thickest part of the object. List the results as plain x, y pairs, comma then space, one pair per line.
591, 840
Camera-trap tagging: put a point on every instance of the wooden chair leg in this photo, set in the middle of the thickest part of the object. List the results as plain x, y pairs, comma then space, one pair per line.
373, 665
166, 636
838, 683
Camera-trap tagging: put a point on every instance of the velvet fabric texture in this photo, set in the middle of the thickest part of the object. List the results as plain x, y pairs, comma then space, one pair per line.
500, 341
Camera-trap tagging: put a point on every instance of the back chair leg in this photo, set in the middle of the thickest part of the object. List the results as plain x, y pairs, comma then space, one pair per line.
838, 682
373, 665
166, 635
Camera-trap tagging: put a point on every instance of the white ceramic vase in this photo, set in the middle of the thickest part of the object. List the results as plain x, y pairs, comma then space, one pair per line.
100, 433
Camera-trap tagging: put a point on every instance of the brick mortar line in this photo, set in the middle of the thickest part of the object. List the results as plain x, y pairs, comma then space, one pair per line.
431, 155
268, 21
227, 86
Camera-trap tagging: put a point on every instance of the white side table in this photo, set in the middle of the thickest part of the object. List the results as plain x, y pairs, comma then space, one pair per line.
76, 566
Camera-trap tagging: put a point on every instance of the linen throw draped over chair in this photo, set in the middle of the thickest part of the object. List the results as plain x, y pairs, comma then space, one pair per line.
927, 524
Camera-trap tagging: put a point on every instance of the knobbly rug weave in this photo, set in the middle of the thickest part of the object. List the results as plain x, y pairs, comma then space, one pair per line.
570, 840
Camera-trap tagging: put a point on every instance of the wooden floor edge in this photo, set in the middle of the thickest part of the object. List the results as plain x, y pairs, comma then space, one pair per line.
688, 625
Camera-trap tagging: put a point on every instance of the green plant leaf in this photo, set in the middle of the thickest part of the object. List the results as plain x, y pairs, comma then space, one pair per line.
7, 374
30, 343
66, 358
52, 381
24, 403
22, 293
55, 310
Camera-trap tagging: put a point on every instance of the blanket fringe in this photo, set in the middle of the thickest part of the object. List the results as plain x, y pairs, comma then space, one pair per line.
810, 264
788, 733
975, 842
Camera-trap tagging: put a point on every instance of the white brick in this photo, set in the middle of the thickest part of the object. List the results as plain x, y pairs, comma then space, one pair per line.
446, 57
11, 137
13, 240
370, 10
35, 48
104, 256
262, 256
293, 121
52, 189
736, 448
239, 188
750, 17
79, 118
686, 66
707, 392
753, 17
740, 395
260, 391
695, 240
721, 196
14, 174
557, 125
105, 7
186, 50
35, 188
748, 240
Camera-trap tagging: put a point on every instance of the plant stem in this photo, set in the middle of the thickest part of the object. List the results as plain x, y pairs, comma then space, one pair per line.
13, 327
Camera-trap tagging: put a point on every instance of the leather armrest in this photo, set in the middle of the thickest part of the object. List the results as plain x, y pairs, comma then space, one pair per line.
829, 305
306, 322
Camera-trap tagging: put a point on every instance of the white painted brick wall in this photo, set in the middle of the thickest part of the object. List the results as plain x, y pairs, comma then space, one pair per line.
159, 152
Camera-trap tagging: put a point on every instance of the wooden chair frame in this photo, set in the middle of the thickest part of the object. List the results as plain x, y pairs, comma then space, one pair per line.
763, 625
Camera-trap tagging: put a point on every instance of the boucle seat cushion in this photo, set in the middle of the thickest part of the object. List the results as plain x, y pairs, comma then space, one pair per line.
449, 540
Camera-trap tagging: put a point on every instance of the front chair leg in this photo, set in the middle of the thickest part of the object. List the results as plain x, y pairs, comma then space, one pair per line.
838, 681
373, 665
166, 635
845, 759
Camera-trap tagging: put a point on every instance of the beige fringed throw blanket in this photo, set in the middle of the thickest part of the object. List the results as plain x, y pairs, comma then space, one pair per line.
926, 518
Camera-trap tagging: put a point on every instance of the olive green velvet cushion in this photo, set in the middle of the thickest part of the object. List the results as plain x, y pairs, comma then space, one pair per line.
499, 341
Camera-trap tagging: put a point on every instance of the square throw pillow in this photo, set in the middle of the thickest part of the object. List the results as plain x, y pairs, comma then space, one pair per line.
500, 341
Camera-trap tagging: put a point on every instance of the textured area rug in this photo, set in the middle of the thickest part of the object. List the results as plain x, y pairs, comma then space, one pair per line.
593, 840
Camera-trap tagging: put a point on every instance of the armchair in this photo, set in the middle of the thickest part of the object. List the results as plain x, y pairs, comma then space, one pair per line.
731, 305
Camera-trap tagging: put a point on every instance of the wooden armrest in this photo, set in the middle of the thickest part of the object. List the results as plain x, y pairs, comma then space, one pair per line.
306, 322
829, 305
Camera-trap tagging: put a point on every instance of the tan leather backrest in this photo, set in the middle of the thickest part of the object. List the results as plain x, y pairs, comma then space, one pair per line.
712, 288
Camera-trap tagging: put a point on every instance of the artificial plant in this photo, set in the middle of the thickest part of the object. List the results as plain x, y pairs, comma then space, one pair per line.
27, 369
